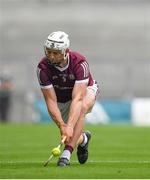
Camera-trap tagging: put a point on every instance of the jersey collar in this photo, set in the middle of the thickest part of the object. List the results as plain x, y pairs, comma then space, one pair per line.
63, 68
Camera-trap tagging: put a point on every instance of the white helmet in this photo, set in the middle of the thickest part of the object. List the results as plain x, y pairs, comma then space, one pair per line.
58, 41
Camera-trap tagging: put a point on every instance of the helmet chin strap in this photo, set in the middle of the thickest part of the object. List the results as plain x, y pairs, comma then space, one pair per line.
54, 64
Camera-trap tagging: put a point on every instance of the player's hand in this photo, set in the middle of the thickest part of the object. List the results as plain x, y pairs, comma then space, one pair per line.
68, 133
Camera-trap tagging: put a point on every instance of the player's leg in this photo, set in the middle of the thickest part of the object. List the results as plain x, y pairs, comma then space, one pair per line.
88, 103
84, 138
79, 137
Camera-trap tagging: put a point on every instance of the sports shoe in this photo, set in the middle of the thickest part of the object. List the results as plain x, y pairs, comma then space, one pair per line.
63, 162
82, 152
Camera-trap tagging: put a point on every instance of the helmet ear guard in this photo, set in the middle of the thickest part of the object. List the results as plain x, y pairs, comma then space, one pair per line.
66, 51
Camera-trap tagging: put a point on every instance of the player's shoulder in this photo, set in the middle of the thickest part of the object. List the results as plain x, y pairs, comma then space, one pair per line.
77, 57
77, 60
43, 63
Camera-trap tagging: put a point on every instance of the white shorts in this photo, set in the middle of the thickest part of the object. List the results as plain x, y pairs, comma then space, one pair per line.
95, 88
65, 107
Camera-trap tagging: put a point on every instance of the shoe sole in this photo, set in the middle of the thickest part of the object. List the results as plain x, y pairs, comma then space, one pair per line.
63, 162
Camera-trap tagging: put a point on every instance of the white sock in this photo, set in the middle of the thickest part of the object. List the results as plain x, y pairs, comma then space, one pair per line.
66, 154
85, 139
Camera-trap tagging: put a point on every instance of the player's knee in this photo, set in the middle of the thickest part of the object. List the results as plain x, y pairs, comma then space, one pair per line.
87, 106
84, 108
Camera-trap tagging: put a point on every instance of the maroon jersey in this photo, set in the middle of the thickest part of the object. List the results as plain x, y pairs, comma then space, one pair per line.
63, 79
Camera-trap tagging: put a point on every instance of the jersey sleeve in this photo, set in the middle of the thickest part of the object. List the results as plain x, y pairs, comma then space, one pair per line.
82, 72
43, 79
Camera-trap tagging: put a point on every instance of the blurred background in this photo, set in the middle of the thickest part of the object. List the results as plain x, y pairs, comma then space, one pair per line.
114, 35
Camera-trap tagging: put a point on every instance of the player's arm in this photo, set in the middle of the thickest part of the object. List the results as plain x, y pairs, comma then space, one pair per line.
50, 97
78, 94
51, 102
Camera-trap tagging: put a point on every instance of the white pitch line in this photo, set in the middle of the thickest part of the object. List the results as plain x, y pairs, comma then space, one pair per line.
90, 161
119, 161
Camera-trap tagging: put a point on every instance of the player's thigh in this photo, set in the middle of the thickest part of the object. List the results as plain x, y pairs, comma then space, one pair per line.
89, 100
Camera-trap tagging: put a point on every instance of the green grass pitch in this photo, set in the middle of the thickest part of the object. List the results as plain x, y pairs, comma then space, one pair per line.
116, 152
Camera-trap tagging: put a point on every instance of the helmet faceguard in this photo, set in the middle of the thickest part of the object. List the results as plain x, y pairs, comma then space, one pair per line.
58, 41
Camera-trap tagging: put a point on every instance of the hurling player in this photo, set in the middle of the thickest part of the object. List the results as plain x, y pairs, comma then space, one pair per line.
69, 92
